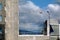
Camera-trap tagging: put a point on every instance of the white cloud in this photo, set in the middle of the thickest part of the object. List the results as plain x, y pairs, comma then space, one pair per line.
54, 7
54, 11
32, 17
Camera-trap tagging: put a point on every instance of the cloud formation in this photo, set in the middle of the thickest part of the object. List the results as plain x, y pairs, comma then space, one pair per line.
31, 17
54, 11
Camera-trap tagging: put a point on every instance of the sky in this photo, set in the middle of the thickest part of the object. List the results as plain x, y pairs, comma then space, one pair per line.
43, 3
32, 14
30, 17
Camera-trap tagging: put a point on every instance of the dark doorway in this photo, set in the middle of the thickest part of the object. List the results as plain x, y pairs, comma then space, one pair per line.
2, 32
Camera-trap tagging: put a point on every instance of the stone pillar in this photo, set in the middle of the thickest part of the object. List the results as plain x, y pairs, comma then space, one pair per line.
11, 29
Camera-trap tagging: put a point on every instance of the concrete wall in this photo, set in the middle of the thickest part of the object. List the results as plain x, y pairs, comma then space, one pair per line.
33, 37
11, 29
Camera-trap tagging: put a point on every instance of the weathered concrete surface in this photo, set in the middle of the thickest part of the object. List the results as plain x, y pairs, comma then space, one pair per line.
11, 29
33, 37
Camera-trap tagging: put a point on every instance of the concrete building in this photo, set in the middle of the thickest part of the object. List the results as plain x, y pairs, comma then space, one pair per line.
55, 26
10, 21
11, 28
9, 18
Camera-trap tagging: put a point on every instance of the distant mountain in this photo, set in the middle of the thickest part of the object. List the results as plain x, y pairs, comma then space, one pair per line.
22, 32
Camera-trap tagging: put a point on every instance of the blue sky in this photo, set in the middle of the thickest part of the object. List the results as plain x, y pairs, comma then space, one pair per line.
30, 17
43, 3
